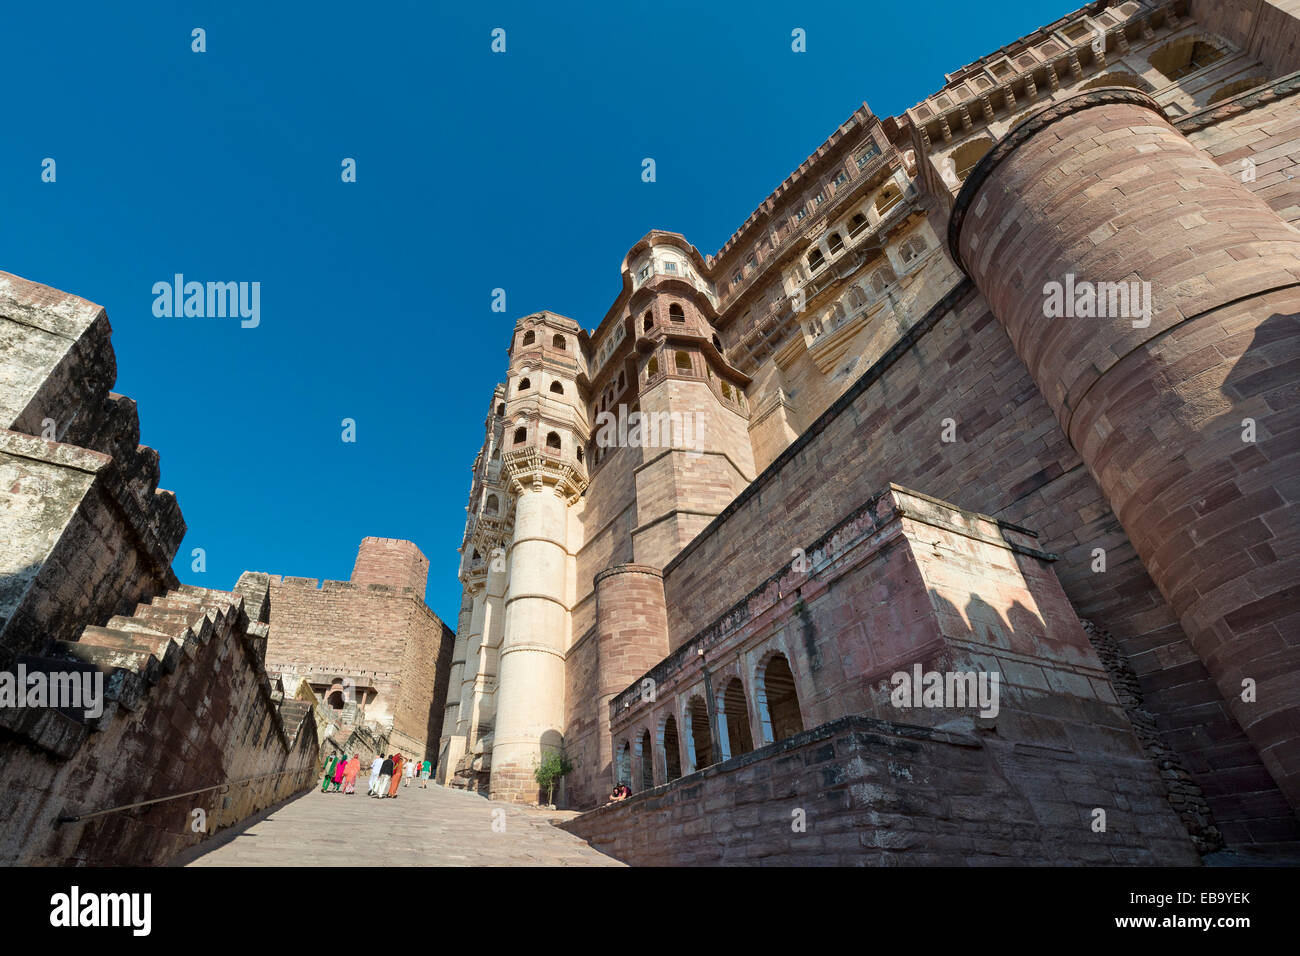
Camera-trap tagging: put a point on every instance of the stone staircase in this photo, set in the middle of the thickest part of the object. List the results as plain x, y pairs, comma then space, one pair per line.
134, 653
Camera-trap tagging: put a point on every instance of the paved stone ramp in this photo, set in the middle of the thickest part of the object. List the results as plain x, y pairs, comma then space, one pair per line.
433, 827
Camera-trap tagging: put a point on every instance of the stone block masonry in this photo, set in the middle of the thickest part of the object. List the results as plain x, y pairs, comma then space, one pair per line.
862, 791
85, 532
86, 586
1183, 415
190, 709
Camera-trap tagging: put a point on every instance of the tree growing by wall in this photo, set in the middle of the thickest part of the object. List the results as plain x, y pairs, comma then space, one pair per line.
548, 773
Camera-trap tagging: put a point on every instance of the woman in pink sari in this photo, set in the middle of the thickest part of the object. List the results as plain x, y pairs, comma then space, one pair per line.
338, 772
350, 774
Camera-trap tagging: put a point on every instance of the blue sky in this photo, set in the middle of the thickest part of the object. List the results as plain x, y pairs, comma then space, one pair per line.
474, 171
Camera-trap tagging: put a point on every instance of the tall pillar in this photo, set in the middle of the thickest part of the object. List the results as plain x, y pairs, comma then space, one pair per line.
483, 708
470, 672
1185, 420
631, 638
452, 747
530, 688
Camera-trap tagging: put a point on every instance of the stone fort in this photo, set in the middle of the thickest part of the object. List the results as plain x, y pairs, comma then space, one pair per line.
705, 541
884, 452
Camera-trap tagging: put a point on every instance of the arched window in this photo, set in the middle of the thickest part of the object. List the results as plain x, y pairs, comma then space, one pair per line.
524, 385
1183, 57
521, 435
558, 342
501, 408
529, 338
647, 761
717, 343
557, 388
553, 440
857, 223
648, 323
883, 277
835, 243
778, 701
815, 260
697, 713
671, 748
652, 367
726, 391
675, 313
624, 764
888, 199
581, 458
912, 248
736, 713
965, 156
496, 454
493, 505
682, 361
856, 297
622, 381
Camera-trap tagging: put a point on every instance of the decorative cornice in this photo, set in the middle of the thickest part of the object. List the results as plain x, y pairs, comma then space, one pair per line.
1024, 131
530, 468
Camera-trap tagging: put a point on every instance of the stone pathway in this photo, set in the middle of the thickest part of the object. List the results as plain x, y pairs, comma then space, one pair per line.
433, 827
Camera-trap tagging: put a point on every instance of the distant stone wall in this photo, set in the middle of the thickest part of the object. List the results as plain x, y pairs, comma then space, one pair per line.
862, 791
383, 632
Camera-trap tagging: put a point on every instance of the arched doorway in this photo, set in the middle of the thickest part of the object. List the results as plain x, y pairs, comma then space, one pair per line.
736, 710
697, 712
779, 701
647, 761
672, 749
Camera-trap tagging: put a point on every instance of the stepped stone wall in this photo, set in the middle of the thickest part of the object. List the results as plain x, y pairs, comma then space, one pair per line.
190, 708
85, 532
86, 588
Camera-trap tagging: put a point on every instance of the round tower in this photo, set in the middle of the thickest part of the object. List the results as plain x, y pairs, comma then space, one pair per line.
631, 636
546, 432
1154, 299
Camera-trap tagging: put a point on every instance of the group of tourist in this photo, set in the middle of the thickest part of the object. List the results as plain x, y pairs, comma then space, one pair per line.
386, 774
341, 772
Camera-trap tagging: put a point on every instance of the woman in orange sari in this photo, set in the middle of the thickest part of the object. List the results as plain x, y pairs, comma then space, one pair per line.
350, 774
399, 763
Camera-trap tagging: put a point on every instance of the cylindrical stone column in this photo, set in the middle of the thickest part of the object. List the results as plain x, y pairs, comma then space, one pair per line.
1184, 413
530, 686
483, 711
631, 638
470, 671
453, 746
